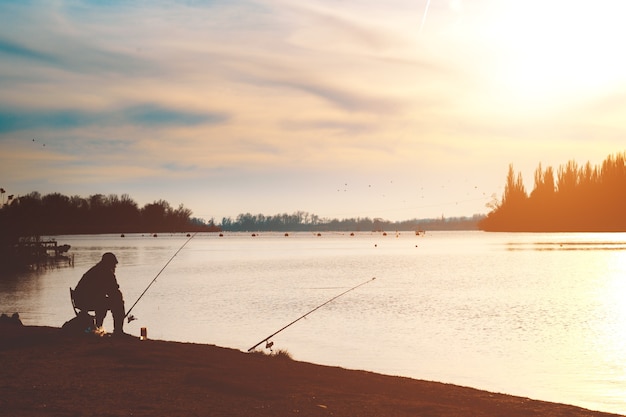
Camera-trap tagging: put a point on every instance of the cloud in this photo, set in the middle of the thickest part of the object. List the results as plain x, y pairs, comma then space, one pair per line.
342, 127
17, 50
344, 98
154, 115
342, 31
176, 167
147, 114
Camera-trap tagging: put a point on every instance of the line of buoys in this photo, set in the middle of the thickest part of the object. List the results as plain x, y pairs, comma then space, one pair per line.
417, 233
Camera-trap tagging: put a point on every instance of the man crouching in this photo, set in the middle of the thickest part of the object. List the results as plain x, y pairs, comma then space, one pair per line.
99, 291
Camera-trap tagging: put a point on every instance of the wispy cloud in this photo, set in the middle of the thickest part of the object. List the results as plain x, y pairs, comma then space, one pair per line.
342, 127
329, 27
16, 50
12, 120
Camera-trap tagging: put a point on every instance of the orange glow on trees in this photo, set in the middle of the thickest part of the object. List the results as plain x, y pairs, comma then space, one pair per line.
583, 198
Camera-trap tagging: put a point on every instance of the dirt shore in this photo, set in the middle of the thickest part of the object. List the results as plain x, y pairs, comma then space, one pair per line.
46, 372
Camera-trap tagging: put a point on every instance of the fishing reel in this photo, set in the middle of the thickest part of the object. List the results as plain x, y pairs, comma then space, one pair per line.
268, 345
131, 318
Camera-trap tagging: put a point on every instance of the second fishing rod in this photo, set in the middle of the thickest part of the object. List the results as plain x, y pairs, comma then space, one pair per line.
269, 344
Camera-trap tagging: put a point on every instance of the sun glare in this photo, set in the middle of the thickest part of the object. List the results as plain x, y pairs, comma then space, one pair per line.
619, 288
560, 49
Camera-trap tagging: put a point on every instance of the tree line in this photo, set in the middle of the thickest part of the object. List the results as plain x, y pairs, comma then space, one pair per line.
303, 221
24, 220
57, 214
54, 214
573, 199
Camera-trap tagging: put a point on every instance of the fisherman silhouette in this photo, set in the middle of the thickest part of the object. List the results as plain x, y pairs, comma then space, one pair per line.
99, 291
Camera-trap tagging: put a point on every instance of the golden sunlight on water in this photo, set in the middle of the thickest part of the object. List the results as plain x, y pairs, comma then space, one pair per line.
603, 339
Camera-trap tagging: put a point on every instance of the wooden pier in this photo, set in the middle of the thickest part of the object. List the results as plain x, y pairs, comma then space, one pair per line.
38, 252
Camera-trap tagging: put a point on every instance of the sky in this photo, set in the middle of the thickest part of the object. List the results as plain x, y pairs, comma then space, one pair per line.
391, 109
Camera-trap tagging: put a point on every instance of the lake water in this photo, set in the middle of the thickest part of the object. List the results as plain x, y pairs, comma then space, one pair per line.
535, 315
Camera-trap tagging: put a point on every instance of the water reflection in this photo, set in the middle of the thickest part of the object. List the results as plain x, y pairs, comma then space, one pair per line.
568, 245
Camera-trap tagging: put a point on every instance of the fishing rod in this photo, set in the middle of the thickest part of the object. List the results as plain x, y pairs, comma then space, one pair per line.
130, 316
269, 344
